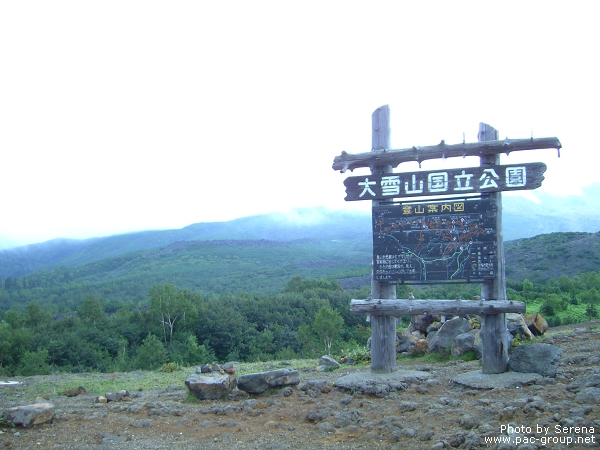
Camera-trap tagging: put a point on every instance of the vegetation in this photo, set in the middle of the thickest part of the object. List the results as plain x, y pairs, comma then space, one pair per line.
563, 300
197, 302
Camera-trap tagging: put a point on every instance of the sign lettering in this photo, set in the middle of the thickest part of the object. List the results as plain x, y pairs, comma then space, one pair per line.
445, 182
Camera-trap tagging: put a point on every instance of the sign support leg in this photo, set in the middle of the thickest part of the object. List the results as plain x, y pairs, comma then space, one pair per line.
383, 328
494, 337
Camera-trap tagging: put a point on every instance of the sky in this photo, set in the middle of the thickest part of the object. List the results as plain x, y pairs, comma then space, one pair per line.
120, 116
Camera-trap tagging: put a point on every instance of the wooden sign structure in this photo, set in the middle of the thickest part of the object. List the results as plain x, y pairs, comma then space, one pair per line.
473, 253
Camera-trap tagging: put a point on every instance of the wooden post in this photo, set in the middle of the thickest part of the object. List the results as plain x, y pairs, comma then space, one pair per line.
383, 328
494, 334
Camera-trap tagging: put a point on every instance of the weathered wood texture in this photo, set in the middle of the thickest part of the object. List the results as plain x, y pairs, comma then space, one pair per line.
382, 155
383, 329
383, 344
375, 307
494, 333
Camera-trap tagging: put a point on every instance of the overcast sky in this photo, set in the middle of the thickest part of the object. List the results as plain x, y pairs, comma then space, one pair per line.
119, 116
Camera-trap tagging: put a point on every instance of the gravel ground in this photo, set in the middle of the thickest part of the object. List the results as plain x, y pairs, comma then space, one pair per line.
429, 413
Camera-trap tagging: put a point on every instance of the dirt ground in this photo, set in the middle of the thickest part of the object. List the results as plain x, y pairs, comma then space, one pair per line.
434, 413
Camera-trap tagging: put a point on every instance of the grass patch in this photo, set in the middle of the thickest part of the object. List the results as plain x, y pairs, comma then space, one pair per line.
100, 383
436, 357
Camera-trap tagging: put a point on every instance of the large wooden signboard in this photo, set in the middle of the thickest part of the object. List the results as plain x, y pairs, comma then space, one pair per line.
435, 241
444, 182
443, 240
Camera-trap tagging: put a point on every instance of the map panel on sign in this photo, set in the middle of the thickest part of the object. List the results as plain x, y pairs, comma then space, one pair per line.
437, 241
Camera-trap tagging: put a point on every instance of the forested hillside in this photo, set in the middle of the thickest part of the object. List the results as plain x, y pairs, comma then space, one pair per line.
316, 223
199, 301
219, 267
552, 255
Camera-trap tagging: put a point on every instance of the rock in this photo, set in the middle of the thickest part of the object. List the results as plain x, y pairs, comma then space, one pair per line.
431, 329
101, 399
442, 341
535, 358
117, 396
536, 324
228, 368
589, 395
420, 323
405, 342
142, 423
257, 383
317, 386
467, 342
517, 327
204, 369
237, 394
329, 362
29, 415
210, 387
75, 392
318, 416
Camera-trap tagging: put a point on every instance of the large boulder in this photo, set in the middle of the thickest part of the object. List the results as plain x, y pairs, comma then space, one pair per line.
536, 324
441, 342
535, 358
405, 342
467, 342
211, 387
328, 361
516, 325
257, 383
29, 415
422, 322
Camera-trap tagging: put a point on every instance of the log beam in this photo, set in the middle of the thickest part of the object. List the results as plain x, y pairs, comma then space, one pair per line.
385, 307
394, 157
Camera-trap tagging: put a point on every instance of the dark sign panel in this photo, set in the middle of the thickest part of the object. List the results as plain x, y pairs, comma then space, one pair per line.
445, 182
437, 241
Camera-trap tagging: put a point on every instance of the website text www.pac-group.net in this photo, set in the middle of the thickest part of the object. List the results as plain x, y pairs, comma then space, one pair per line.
543, 435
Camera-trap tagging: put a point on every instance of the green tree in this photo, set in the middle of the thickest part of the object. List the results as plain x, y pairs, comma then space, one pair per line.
591, 296
91, 311
308, 339
298, 284
262, 345
197, 354
14, 318
591, 311
327, 326
35, 363
36, 316
151, 354
169, 307
565, 284
527, 286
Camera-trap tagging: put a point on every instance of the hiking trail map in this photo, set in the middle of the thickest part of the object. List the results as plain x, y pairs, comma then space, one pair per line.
435, 241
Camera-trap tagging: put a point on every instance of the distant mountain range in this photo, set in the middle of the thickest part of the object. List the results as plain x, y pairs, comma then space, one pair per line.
522, 218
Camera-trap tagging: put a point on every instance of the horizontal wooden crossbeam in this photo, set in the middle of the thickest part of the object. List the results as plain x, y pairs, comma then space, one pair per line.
394, 157
381, 307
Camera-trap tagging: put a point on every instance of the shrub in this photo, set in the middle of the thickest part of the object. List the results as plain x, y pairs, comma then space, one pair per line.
35, 363
152, 354
170, 367
356, 353
547, 309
